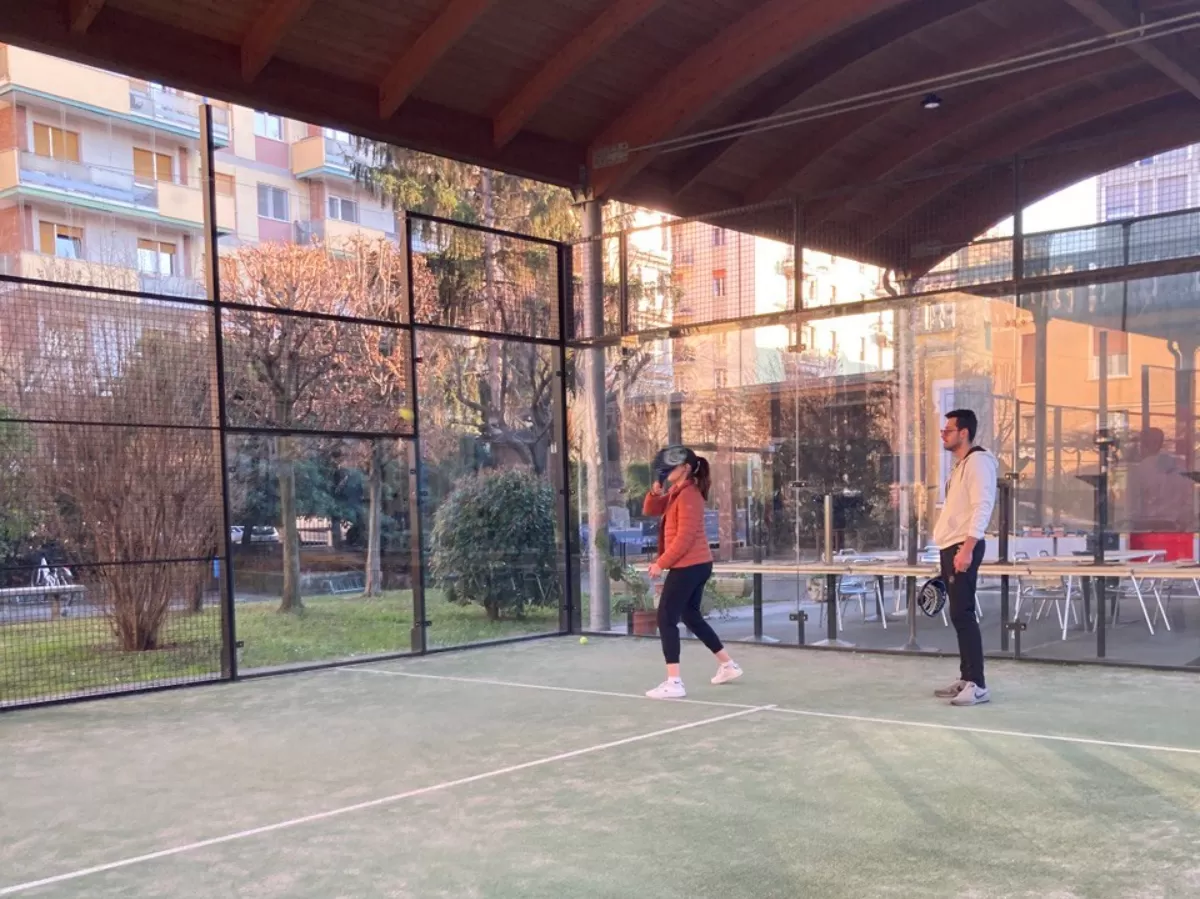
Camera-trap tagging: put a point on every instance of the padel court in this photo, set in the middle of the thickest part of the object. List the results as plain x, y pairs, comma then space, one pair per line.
540, 770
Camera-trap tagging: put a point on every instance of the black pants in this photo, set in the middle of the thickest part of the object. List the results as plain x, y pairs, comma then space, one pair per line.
682, 593
960, 585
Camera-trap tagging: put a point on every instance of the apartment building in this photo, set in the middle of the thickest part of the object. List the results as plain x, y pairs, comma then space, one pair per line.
100, 179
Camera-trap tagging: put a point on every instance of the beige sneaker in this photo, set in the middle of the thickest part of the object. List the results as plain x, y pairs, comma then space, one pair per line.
951, 691
727, 672
971, 695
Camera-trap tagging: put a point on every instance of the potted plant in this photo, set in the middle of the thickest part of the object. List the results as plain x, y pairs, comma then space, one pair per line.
638, 603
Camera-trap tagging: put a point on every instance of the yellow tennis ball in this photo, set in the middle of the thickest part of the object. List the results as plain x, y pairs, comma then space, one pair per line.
583, 640
406, 414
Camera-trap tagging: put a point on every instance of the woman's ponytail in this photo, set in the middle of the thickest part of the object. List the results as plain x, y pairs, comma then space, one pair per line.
702, 476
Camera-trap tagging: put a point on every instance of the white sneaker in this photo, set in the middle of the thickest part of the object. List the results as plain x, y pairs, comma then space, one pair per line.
951, 691
971, 695
726, 672
668, 689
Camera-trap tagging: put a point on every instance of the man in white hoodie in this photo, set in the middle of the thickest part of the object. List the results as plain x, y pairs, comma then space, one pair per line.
970, 497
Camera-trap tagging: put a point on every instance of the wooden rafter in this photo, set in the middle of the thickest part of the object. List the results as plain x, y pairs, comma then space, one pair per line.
266, 32
612, 22
450, 25
788, 169
752, 46
1140, 136
1109, 19
153, 50
1065, 117
82, 13
845, 53
976, 108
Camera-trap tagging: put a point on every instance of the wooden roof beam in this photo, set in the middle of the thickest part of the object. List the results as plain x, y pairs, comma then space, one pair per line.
751, 47
977, 108
1152, 132
1111, 19
987, 48
613, 21
144, 48
450, 25
82, 13
841, 55
265, 33
1064, 117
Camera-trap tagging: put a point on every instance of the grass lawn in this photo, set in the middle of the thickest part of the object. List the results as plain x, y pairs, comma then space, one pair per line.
47, 659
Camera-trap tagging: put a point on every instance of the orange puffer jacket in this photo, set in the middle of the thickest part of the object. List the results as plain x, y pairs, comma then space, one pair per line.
683, 541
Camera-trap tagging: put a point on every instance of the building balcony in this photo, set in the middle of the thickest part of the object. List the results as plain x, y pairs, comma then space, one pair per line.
86, 273
82, 272
178, 113
108, 190
114, 96
319, 156
334, 233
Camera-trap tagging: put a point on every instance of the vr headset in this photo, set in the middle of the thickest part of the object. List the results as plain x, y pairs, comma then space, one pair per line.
671, 457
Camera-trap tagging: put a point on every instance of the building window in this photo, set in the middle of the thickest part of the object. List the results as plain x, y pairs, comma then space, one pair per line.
1028, 358
938, 317
718, 284
1119, 202
55, 143
1172, 193
268, 126
342, 137
272, 203
225, 185
156, 257
343, 210
1028, 425
1118, 354
62, 241
718, 237
149, 166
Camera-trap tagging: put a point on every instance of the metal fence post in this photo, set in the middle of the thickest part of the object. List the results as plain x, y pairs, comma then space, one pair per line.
212, 275
418, 638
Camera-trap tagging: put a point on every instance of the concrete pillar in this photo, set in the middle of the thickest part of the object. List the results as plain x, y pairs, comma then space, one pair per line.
595, 427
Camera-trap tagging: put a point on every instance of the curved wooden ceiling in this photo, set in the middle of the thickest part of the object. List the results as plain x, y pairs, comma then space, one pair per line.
535, 88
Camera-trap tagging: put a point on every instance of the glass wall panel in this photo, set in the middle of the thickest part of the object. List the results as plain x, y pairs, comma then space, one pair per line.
494, 544
322, 551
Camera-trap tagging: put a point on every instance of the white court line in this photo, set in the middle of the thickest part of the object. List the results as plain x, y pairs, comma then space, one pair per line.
504, 683
962, 728
835, 716
373, 803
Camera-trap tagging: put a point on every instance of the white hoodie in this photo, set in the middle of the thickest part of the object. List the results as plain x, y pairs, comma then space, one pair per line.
970, 497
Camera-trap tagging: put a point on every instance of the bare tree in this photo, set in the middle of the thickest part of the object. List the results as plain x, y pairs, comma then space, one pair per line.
285, 362
126, 487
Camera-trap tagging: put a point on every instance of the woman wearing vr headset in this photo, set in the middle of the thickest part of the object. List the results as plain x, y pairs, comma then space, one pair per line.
678, 497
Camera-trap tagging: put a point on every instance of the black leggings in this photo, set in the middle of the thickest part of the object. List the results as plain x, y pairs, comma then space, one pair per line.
682, 594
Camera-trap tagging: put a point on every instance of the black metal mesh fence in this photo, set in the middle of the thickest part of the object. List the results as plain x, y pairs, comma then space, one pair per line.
111, 494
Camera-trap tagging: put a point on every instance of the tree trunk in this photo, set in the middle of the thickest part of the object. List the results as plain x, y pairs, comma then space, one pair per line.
196, 600
374, 574
335, 533
290, 601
